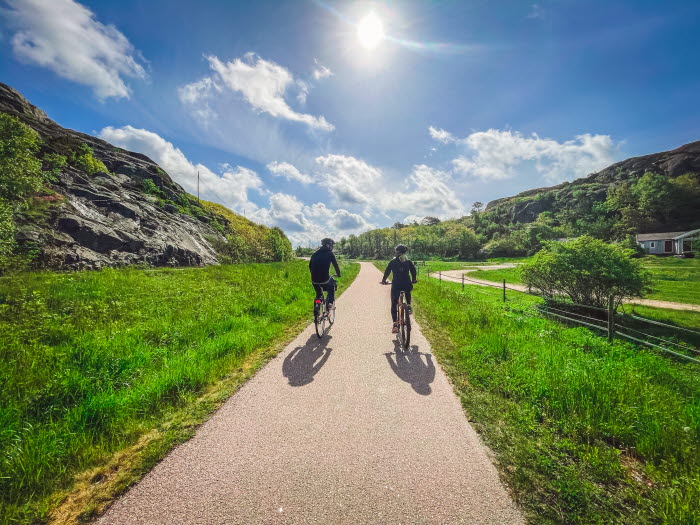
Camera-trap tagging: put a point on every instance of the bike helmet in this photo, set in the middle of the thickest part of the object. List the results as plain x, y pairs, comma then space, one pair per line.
401, 248
327, 242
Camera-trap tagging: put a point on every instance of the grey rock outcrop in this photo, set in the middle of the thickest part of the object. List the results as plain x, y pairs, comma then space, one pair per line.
107, 219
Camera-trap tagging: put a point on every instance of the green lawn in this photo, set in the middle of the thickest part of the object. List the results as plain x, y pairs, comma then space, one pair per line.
676, 280
583, 431
94, 363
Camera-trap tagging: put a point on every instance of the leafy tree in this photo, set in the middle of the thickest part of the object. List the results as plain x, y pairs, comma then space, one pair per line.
429, 221
588, 270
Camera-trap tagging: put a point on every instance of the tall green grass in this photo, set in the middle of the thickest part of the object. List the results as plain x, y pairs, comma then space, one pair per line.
91, 361
583, 431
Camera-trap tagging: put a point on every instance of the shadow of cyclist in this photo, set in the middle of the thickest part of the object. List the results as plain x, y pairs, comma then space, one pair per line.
304, 362
410, 367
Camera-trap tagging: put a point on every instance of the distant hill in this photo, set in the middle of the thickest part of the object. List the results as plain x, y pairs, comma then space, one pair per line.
681, 165
654, 193
106, 206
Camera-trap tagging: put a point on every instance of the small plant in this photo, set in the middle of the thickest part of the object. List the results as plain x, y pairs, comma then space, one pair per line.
150, 187
84, 159
53, 164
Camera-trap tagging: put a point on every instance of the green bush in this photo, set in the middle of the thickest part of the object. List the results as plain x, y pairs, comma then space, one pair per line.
588, 270
150, 187
85, 160
20, 170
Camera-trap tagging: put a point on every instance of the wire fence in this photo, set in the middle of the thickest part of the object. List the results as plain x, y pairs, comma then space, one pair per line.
608, 321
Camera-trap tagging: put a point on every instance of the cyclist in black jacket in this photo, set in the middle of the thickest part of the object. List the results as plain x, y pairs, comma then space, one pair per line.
401, 266
319, 265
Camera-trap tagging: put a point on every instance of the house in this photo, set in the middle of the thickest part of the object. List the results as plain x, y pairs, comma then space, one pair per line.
669, 243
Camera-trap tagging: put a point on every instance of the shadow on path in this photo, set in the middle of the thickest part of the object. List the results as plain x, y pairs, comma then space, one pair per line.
304, 362
410, 367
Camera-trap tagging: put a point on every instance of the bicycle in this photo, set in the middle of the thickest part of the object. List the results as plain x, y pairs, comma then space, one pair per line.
321, 313
404, 320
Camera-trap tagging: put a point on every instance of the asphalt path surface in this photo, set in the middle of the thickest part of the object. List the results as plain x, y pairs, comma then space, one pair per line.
339, 430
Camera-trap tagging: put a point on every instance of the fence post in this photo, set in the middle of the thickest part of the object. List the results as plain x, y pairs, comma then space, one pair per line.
611, 320
462, 282
440, 275
504, 290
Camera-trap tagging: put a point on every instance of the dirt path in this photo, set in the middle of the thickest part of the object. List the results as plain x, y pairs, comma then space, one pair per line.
457, 275
341, 430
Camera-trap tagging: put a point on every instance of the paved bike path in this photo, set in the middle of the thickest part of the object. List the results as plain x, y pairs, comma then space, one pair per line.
340, 430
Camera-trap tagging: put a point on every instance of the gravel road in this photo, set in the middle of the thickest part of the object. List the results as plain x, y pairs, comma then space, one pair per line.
339, 430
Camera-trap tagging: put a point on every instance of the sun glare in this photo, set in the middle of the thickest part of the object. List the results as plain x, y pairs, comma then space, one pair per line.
370, 31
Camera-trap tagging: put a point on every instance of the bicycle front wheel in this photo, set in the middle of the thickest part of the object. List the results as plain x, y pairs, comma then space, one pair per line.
331, 317
319, 320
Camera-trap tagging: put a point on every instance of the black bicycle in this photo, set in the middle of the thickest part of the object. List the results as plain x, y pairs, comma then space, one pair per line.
404, 318
403, 311
323, 317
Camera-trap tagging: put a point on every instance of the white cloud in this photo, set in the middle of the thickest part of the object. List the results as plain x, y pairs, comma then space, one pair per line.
321, 71
500, 154
230, 187
262, 83
289, 172
349, 180
65, 37
309, 224
441, 135
433, 193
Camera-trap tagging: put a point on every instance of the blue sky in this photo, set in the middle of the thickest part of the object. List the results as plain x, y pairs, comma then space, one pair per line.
294, 119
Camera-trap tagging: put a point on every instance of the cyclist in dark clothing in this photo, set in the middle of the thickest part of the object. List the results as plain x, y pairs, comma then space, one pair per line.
402, 281
319, 265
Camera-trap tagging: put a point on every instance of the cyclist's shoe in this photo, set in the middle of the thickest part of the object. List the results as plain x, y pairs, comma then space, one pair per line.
395, 328
330, 306
409, 309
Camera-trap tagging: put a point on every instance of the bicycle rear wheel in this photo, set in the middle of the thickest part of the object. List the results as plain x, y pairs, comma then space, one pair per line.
405, 329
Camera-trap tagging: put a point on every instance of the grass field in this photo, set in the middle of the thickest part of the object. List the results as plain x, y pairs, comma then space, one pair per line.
676, 280
583, 431
102, 372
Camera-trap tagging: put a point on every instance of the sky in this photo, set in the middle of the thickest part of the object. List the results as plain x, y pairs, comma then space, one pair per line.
327, 118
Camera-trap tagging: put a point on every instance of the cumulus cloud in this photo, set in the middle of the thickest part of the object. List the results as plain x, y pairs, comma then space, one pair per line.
263, 85
496, 154
309, 224
432, 193
229, 187
289, 172
348, 179
65, 37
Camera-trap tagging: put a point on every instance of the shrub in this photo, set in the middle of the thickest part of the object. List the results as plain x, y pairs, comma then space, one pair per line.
53, 164
150, 187
20, 170
588, 270
85, 160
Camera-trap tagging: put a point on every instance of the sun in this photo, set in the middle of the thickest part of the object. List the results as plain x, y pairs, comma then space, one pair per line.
370, 31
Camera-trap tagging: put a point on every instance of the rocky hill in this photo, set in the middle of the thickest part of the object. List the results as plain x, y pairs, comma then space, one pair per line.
526, 206
110, 207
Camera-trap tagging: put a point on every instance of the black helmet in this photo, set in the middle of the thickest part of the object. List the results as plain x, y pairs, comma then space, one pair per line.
327, 242
401, 248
